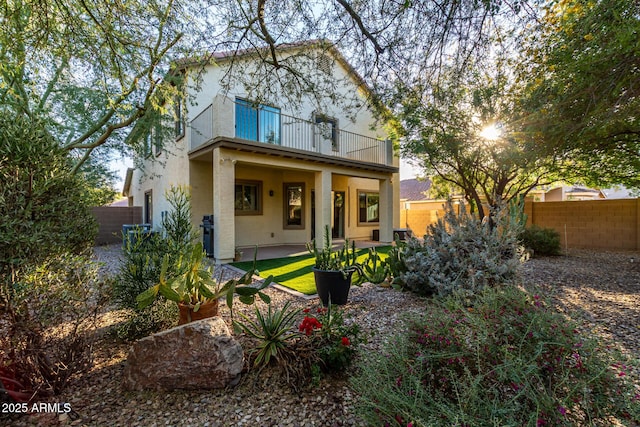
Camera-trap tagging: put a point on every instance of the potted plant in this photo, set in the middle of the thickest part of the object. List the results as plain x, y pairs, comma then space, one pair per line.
195, 290
333, 269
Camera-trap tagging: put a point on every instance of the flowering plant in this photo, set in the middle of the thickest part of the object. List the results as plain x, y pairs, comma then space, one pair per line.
333, 340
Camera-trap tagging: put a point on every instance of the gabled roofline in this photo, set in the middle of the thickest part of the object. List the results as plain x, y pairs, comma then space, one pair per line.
324, 44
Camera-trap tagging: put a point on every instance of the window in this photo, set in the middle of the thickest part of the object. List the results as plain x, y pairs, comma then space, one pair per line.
248, 198
148, 207
294, 205
156, 136
146, 147
368, 207
179, 118
257, 122
327, 129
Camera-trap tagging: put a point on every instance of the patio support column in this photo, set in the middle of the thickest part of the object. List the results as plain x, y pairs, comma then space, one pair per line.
323, 204
386, 210
224, 227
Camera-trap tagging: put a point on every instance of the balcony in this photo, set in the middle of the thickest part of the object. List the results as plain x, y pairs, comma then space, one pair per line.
268, 127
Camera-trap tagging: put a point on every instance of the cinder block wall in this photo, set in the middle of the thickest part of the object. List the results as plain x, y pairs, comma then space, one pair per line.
420, 215
595, 224
110, 220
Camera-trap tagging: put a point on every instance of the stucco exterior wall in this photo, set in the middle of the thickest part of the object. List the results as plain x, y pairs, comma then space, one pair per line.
173, 167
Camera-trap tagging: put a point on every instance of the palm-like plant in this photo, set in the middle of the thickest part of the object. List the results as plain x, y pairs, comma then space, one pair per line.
272, 329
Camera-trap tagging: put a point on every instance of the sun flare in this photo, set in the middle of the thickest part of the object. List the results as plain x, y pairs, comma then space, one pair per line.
490, 132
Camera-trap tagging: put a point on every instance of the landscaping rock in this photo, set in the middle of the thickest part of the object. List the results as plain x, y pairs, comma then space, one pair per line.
195, 356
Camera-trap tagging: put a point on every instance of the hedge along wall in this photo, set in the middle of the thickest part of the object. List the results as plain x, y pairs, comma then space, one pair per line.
593, 224
110, 220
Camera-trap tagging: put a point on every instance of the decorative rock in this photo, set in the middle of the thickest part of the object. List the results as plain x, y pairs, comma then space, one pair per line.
195, 356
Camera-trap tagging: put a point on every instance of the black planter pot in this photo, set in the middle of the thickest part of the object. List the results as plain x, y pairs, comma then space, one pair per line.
332, 284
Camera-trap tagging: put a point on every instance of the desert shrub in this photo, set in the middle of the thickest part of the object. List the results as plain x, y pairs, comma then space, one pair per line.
508, 360
49, 288
334, 341
543, 241
323, 344
141, 265
461, 254
52, 322
141, 323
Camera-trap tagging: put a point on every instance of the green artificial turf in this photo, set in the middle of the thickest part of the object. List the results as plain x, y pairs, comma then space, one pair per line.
295, 271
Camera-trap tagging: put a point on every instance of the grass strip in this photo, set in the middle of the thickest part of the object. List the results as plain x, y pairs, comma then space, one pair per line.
295, 272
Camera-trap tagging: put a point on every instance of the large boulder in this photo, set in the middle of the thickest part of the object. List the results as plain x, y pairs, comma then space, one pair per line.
197, 355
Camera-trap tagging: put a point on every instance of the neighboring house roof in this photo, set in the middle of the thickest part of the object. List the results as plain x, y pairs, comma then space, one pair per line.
618, 193
119, 203
414, 189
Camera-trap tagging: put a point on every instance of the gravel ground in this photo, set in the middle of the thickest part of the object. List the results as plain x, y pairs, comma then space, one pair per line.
599, 289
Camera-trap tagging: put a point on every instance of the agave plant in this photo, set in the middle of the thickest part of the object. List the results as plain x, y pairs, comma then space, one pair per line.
272, 329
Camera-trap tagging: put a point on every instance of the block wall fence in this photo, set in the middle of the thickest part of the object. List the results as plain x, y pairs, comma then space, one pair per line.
110, 220
593, 224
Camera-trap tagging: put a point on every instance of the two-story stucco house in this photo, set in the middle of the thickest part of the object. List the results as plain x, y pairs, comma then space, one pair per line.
271, 175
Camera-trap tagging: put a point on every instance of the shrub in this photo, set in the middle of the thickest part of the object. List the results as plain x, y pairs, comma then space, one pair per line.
461, 254
509, 360
334, 341
49, 289
53, 322
141, 323
142, 263
272, 330
543, 241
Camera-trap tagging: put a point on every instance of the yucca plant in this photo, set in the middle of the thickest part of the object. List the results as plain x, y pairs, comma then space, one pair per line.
273, 330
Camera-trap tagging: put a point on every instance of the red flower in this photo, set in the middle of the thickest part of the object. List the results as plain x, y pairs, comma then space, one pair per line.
346, 342
306, 310
309, 324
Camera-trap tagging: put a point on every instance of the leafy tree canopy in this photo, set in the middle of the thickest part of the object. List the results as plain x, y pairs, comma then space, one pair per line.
445, 127
583, 77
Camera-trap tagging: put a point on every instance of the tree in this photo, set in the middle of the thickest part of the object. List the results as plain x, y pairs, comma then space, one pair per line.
583, 93
443, 127
100, 72
90, 70
47, 277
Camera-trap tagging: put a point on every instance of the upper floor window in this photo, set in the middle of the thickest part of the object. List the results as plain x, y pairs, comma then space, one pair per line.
368, 207
179, 118
257, 122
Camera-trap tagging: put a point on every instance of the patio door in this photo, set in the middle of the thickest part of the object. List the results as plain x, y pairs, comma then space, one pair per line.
337, 222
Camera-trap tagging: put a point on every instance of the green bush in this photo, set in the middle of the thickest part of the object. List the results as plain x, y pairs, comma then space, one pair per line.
141, 323
462, 254
508, 360
543, 241
143, 255
49, 288
140, 268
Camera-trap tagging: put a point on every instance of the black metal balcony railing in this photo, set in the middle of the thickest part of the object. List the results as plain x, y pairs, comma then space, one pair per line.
295, 133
